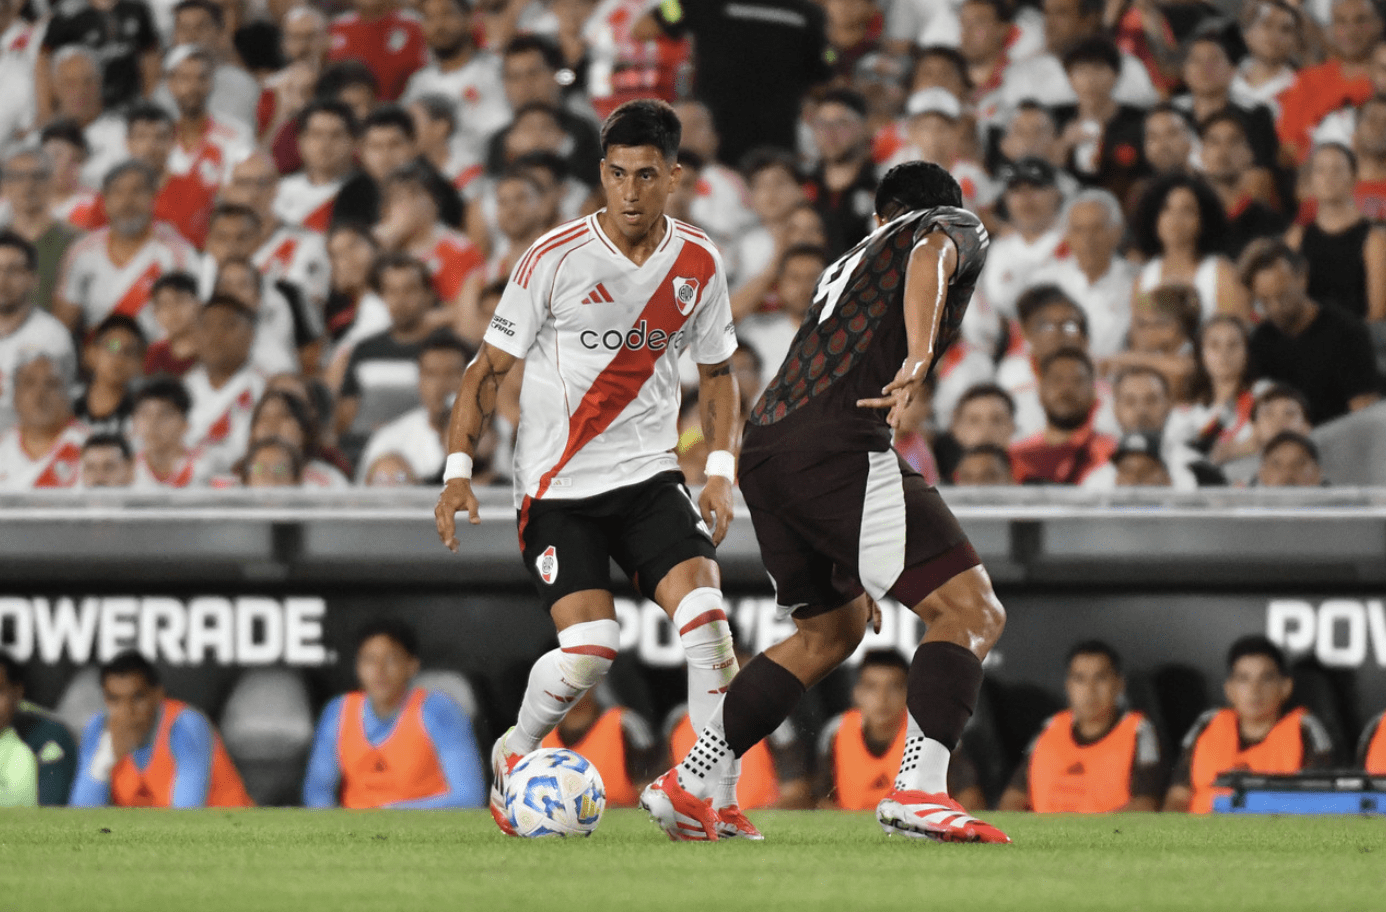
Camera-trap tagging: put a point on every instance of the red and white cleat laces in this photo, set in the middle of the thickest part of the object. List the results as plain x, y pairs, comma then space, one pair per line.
933, 816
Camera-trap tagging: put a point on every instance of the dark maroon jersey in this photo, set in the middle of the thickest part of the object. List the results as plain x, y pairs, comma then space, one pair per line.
853, 339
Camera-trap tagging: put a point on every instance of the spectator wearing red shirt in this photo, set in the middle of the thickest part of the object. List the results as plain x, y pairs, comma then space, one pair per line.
1340, 80
182, 200
384, 38
173, 299
1068, 448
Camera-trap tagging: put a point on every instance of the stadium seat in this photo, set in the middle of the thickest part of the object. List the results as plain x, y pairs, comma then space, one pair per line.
1324, 694
267, 726
1142, 696
81, 700
1182, 695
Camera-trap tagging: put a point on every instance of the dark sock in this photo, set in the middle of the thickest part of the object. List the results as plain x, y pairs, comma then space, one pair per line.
944, 682
760, 698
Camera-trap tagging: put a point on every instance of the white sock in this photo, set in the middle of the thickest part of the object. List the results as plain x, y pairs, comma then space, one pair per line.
924, 766
707, 644
585, 651
709, 760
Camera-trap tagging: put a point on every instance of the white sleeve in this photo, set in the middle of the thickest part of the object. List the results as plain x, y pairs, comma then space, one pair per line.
712, 335
517, 319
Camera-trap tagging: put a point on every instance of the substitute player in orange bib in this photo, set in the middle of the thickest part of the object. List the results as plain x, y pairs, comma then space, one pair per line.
599, 310
841, 519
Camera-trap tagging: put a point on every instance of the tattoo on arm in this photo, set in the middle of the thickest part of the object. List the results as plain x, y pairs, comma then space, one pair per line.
487, 392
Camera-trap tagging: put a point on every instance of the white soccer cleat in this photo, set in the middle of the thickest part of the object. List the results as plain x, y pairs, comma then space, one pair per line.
936, 816
679, 813
732, 824
502, 762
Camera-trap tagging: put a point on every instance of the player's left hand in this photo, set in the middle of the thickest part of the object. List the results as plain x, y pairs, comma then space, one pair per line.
897, 395
715, 503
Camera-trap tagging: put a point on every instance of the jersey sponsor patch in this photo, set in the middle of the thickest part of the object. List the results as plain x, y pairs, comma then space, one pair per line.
547, 564
500, 324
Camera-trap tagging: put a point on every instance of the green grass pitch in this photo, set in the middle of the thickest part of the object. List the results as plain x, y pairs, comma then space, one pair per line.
149, 861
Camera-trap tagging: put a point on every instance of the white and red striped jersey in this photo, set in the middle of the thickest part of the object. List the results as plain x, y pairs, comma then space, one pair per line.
219, 423
101, 288
223, 144
191, 472
477, 91
297, 256
304, 204
42, 333
601, 339
59, 467
451, 259
80, 210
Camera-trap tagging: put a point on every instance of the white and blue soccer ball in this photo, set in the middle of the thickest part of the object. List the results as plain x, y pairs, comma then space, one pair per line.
554, 792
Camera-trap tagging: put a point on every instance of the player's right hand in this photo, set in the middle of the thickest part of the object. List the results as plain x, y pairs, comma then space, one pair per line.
457, 496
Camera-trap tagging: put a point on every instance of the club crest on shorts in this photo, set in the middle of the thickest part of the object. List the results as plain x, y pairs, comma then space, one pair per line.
685, 293
547, 565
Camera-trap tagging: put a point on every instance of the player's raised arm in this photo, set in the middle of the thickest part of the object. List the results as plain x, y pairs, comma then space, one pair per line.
931, 266
471, 414
719, 406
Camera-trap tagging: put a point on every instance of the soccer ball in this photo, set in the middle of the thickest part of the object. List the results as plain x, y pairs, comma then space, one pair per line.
554, 792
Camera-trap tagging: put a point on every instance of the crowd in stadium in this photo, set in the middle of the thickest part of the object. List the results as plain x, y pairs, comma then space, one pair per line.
254, 243
398, 742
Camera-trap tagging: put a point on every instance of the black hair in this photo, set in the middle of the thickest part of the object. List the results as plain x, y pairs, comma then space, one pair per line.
541, 107
207, 6
177, 281
271, 443
1037, 297
414, 173
234, 210
1295, 438
9, 238
399, 260
1226, 115
1225, 34
524, 44
165, 388
1068, 353
986, 391
1347, 153
1166, 107
300, 410
356, 227
954, 58
69, 131
120, 321
342, 75
394, 629
234, 304
1201, 384
390, 115
1141, 370
916, 185
109, 439
848, 98
130, 166
1263, 253
446, 340
884, 658
127, 663
691, 161
763, 157
1212, 218
1098, 50
1257, 645
798, 250
330, 106
644, 122
1098, 648
147, 112
551, 162
1280, 391
1002, 8
14, 672
439, 107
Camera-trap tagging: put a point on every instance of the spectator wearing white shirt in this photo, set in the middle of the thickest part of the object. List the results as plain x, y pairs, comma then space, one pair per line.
24, 329
235, 93
418, 436
1092, 273
76, 79
1031, 208
1274, 33
19, 47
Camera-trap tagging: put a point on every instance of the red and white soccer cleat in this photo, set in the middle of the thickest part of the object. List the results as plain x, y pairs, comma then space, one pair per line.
678, 812
502, 762
933, 816
732, 824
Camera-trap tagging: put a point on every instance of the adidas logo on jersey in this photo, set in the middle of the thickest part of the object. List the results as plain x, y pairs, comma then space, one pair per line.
599, 295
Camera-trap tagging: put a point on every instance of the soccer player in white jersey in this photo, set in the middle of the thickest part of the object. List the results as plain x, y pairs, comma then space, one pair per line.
599, 310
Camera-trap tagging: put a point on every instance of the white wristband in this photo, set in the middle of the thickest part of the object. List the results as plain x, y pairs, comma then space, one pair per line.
459, 465
722, 464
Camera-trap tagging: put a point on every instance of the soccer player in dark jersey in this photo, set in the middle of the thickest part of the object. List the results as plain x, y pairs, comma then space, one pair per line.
842, 520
